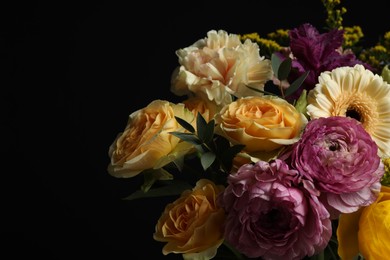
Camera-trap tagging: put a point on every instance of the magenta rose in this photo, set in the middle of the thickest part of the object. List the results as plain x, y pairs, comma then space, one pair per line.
270, 214
341, 159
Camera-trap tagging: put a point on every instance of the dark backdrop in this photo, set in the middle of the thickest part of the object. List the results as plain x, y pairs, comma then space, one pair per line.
71, 75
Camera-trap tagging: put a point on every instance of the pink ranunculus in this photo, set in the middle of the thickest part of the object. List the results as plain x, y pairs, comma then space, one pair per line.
341, 159
272, 214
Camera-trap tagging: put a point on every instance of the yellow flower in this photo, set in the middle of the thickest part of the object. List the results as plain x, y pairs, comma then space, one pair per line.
261, 123
193, 224
355, 92
267, 46
352, 35
146, 143
205, 107
367, 230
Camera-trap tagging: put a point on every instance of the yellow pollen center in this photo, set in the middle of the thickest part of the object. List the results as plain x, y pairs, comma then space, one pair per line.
358, 106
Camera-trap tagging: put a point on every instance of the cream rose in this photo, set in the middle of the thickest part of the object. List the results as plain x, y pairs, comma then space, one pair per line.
261, 123
220, 66
146, 142
193, 224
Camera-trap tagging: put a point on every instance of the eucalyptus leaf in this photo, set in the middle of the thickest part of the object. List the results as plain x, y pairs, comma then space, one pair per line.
296, 84
176, 187
207, 160
284, 69
275, 63
185, 124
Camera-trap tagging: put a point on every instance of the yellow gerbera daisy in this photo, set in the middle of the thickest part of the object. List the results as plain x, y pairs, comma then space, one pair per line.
358, 93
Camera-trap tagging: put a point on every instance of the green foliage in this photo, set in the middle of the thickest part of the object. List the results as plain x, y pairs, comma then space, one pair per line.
185, 124
211, 147
296, 84
301, 103
284, 69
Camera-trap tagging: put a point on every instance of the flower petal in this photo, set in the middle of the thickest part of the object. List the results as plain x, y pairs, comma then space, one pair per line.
347, 234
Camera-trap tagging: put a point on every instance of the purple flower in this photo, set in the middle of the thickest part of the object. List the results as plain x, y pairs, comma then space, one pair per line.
342, 161
316, 53
271, 214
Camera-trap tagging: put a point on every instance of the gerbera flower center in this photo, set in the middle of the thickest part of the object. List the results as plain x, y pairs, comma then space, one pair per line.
354, 114
358, 106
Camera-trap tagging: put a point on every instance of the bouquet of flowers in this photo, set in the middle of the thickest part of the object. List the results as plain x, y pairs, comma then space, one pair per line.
279, 150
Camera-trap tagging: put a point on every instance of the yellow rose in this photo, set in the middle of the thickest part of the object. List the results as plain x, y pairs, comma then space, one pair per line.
205, 107
193, 224
366, 231
261, 123
146, 142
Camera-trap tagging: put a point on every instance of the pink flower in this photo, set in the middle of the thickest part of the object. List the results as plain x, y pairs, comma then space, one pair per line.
271, 214
341, 159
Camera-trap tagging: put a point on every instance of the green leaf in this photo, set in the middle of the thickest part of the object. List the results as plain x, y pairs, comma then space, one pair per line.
185, 124
296, 84
221, 143
301, 103
200, 123
228, 155
235, 149
176, 187
188, 137
284, 69
275, 62
151, 176
202, 128
208, 132
201, 149
207, 159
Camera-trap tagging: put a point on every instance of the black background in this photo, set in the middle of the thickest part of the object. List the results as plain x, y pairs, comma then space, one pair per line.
71, 75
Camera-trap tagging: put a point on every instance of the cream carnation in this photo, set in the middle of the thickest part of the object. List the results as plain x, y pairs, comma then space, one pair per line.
220, 66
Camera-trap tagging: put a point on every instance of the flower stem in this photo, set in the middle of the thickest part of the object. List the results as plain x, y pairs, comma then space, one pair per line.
319, 256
